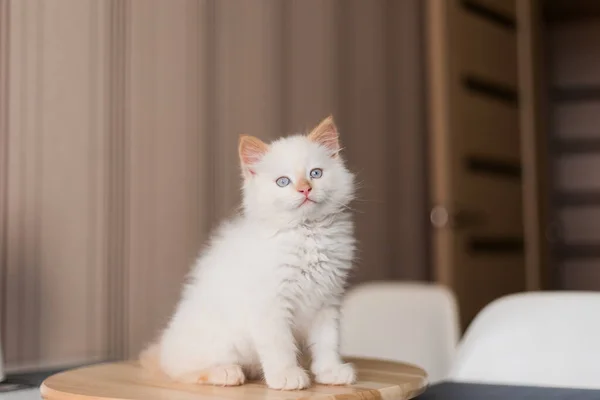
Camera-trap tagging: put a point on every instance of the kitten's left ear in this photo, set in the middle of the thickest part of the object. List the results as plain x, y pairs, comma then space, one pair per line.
251, 150
326, 134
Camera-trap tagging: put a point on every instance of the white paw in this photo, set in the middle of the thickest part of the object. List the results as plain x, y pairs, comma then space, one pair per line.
294, 378
340, 374
225, 375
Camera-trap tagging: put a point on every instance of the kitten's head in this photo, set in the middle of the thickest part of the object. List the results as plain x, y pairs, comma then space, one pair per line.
297, 177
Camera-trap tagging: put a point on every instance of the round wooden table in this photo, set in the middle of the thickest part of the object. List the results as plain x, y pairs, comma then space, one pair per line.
127, 380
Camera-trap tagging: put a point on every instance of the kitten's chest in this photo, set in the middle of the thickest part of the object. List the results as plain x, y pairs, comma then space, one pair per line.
312, 248
317, 262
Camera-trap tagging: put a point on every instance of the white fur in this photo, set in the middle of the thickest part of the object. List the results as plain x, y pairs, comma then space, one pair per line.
271, 280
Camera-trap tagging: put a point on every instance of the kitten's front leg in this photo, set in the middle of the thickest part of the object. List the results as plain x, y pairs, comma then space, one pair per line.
277, 350
323, 338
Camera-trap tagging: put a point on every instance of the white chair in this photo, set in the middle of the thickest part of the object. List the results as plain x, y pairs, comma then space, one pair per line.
411, 322
536, 339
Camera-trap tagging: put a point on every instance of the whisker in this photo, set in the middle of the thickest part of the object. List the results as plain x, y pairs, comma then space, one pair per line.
370, 201
347, 207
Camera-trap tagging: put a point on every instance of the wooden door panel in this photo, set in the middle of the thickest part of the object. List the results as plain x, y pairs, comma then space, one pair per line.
577, 120
476, 161
578, 173
502, 7
575, 58
485, 50
488, 128
488, 275
495, 204
580, 225
556, 9
580, 274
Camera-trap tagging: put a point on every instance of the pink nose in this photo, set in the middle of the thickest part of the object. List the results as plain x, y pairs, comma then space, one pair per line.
305, 190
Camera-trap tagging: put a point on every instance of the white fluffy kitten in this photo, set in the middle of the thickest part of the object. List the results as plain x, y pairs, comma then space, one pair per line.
271, 280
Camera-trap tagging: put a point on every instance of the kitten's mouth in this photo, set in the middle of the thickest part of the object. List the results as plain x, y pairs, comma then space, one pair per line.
306, 200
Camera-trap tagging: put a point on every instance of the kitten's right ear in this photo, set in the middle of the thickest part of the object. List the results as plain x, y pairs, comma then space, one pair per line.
326, 135
251, 150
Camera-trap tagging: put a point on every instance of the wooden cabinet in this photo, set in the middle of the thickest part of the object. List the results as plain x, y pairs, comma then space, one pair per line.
514, 102
572, 40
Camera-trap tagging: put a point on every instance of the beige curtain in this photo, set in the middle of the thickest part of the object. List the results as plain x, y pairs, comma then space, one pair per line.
118, 128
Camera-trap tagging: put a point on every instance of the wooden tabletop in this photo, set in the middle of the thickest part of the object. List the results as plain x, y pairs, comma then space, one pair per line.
127, 380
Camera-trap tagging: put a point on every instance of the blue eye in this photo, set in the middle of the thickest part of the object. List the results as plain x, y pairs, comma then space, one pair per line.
283, 181
316, 173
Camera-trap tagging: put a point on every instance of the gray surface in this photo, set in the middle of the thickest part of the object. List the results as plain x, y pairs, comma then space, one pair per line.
27, 394
469, 391
24, 386
30, 379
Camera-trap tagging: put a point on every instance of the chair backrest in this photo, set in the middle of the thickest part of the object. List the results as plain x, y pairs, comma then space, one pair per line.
410, 322
538, 338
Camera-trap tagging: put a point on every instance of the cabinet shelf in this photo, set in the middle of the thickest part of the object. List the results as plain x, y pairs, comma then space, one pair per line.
578, 251
590, 198
576, 94
576, 146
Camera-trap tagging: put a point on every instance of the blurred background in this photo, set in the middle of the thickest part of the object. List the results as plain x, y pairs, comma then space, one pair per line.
472, 126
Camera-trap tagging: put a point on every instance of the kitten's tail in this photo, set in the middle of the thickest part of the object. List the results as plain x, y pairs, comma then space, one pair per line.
150, 359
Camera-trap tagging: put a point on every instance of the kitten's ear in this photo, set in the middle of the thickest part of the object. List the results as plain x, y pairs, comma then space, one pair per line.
251, 150
326, 134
